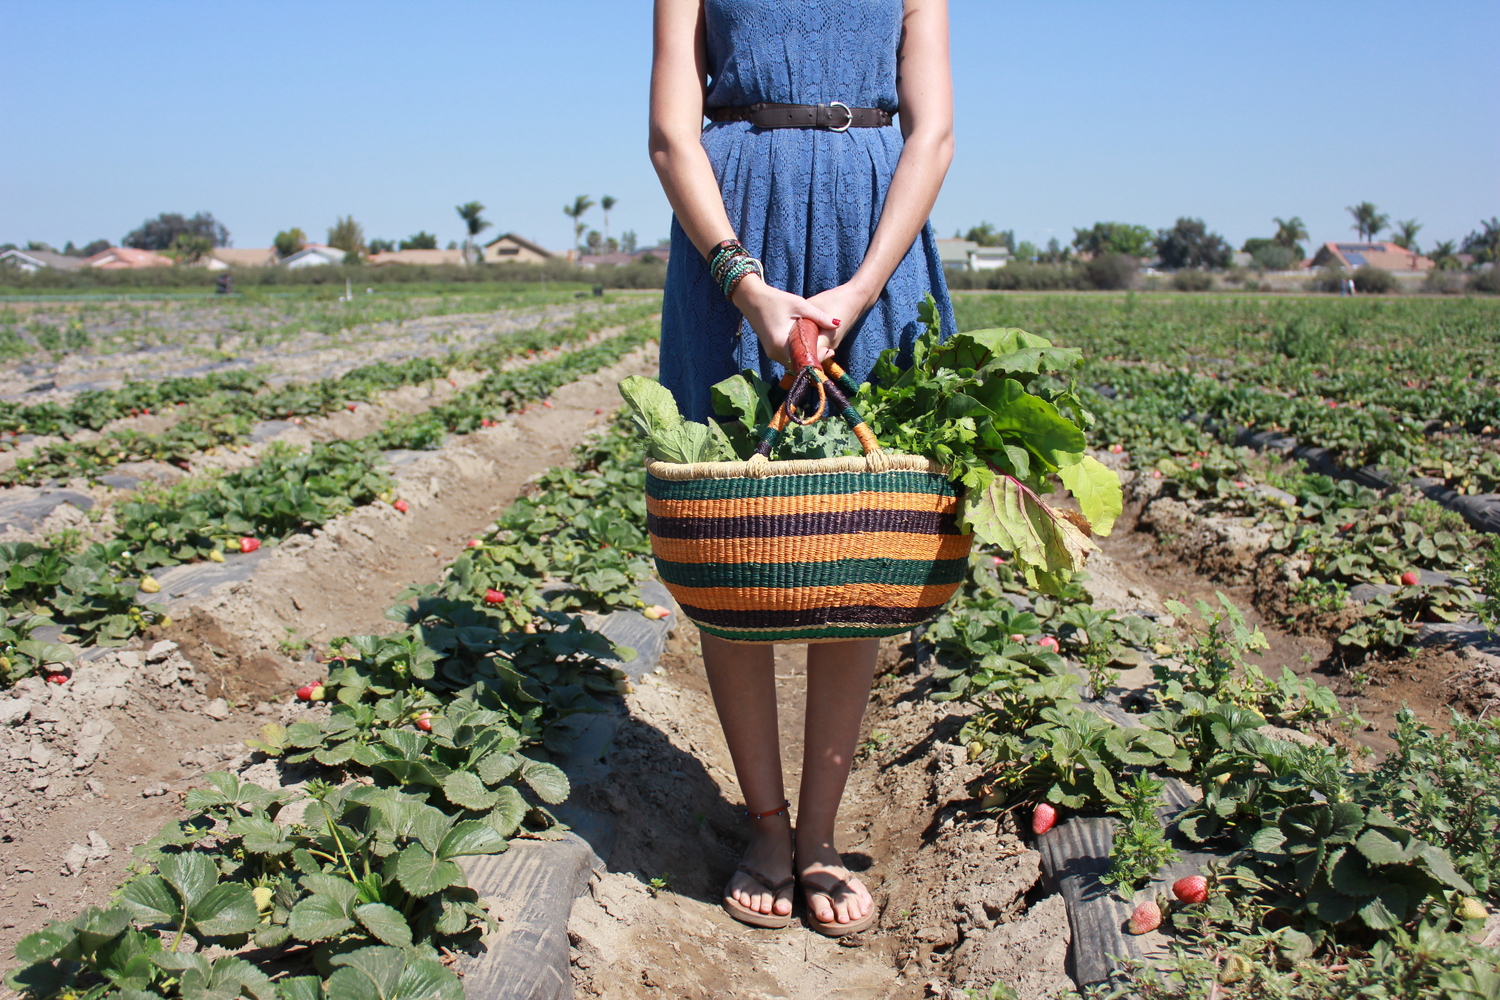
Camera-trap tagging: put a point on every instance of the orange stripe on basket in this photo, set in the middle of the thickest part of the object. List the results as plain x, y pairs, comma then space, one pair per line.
883, 595
799, 548
838, 503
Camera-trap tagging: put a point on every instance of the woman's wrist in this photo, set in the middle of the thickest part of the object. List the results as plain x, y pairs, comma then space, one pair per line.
747, 291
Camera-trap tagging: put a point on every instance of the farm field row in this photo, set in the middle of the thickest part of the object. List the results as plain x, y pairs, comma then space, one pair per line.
1011, 700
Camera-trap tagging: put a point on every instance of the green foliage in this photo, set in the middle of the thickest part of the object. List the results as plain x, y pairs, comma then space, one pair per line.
1139, 848
347, 235
671, 438
160, 233
1371, 280
1113, 238
1189, 244
289, 241
1447, 785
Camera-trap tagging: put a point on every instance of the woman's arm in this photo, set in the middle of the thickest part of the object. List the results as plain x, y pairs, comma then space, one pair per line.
924, 86
678, 84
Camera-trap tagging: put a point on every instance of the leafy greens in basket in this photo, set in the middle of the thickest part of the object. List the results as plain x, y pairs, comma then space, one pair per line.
977, 404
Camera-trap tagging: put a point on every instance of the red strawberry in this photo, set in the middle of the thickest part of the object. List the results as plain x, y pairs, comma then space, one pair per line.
57, 678
598, 410
1043, 817
493, 596
999, 561
351, 406
1410, 578
1193, 889
311, 692
1333, 404
1146, 918
484, 421
248, 544
1195, 465
1349, 526
402, 506
424, 722
1116, 449
1048, 643
547, 403
453, 382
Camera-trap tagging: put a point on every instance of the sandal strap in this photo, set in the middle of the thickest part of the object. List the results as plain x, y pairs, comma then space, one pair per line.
774, 887
842, 885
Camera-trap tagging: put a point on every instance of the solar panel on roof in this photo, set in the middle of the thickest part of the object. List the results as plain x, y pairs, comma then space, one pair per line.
1357, 259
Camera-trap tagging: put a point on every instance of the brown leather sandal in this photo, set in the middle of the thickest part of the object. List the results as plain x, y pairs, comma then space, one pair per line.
833, 928
755, 918
743, 913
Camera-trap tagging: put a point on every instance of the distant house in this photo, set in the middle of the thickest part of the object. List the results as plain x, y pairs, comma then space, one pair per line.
223, 258
32, 261
662, 253
1386, 256
122, 258
966, 255
517, 249
314, 255
428, 257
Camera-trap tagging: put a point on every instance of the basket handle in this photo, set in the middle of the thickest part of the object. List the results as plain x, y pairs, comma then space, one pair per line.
829, 381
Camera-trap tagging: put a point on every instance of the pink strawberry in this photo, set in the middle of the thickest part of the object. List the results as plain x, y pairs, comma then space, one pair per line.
474, 543
1155, 473
1193, 889
1410, 578
656, 612
1017, 637
424, 722
1049, 643
402, 506
493, 596
1146, 918
999, 561
311, 692
1043, 817
485, 422
547, 403
1116, 449
248, 544
1195, 465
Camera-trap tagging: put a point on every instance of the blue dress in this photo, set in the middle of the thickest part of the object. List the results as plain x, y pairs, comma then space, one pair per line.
804, 201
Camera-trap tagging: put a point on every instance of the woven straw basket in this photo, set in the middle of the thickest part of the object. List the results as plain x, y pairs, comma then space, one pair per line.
807, 551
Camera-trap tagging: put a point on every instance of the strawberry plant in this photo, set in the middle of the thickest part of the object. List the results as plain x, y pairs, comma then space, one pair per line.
1138, 848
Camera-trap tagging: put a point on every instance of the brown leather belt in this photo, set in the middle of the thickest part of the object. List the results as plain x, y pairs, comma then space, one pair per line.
835, 117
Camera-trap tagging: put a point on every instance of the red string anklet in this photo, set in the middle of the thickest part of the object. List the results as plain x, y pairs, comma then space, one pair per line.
778, 811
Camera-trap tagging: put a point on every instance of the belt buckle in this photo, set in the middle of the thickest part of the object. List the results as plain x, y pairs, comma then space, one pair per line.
847, 121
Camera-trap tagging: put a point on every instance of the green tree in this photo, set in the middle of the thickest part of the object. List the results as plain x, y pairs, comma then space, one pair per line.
470, 212
382, 246
1367, 219
1026, 250
189, 248
1113, 237
420, 240
1445, 255
1406, 235
1290, 233
289, 241
576, 211
1271, 255
349, 236
1055, 253
158, 233
607, 203
1484, 242
628, 241
1189, 244
986, 235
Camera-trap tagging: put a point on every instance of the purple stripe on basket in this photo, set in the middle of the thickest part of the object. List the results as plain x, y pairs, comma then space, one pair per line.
915, 522
863, 614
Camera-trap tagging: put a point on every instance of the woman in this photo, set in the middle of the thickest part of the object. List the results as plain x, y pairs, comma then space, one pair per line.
814, 208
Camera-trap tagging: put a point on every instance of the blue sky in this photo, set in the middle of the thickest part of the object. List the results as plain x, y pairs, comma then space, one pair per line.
273, 114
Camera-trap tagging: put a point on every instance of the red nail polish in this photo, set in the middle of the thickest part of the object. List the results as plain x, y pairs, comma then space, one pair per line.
837, 322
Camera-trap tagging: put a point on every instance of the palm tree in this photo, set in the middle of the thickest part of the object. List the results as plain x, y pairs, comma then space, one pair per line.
1406, 235
1367, 220
607, 203
1289, 232
1444, 255
470, 213
575, 211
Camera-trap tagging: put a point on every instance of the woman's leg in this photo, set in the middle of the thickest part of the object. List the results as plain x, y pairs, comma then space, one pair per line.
743, 681
838, 686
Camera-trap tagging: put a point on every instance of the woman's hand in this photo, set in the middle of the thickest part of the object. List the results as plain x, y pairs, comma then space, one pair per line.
772, 313
845, 303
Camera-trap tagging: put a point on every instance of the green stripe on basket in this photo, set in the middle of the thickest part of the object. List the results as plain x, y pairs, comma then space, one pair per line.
900, 572
818, 484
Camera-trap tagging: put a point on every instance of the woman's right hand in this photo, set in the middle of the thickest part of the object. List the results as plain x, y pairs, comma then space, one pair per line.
772, 313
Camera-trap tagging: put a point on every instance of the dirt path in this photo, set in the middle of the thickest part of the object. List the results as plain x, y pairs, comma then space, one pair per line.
156, 722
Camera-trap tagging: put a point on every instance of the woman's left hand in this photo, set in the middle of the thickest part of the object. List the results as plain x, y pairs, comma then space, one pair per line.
846, 304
